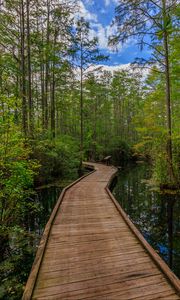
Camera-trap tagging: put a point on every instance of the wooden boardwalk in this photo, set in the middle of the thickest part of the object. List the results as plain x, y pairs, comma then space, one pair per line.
90, 250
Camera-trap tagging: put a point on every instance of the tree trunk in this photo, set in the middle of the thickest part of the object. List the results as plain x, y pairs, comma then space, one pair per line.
53, 94
30, 101
81, 109
23, 71
168, 95
47, 68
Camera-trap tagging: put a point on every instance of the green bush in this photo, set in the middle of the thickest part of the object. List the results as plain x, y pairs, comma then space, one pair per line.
17, 171
19, 258
176, 158
57, 158
160, 168
120, 151
93, 151
161, 174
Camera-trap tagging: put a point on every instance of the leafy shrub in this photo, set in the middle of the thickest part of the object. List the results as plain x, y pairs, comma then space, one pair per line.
58, 158
93, 151
15, 268
160, 168
17, 171
176, 157
120, 151
161, 173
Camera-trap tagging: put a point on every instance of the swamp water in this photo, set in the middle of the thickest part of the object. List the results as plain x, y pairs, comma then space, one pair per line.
47, 198
156, 215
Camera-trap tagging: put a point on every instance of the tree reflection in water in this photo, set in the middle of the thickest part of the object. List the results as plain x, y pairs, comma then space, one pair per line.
46, 199
156, 215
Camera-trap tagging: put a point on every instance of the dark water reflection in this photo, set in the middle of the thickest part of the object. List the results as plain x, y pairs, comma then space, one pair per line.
46, 199
156, 215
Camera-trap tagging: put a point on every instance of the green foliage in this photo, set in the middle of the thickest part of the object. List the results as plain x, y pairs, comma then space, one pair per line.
17, 170
19, 258
85, 48
58, 158
17, 173
176, 156
150, 123
93, 150
120, 151
160, 168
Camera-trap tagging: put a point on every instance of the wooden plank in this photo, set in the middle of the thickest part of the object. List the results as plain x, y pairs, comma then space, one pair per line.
85, 276
142, 293
89, 237
64, 282
91, 251
96, 243
99, 252
67, 262
92, 287
111, 268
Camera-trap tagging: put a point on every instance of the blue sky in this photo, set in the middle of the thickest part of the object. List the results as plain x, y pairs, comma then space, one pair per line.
100, 14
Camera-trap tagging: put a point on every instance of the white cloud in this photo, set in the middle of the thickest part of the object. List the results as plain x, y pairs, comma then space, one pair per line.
103, 34
83, 12
89, 2
97, 69
108, 2
97, 29
116, 68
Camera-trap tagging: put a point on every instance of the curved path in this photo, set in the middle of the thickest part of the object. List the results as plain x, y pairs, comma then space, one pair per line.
90, 250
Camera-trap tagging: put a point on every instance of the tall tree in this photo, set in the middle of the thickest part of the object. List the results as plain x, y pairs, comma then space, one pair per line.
23, 69
29, 84
151, 23
87, 54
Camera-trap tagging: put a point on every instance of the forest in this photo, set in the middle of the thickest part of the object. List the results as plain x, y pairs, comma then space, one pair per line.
59, 106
